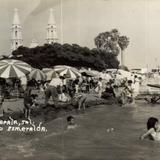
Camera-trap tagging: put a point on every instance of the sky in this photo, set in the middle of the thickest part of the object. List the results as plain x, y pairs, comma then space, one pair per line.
80, 21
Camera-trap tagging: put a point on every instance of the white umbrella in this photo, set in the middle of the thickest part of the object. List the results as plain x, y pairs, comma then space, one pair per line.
50, 73
69, 72
11, 68
46, 70
120, 74
37, 74
124, 74
104, 76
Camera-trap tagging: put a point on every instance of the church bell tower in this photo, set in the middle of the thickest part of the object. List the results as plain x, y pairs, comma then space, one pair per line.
51, 29
16, 32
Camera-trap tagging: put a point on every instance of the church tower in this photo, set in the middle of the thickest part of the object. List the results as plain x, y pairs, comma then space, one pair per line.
51, 29
16, 32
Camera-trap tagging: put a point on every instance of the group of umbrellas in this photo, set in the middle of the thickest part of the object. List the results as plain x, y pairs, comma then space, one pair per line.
16, 69
11, 68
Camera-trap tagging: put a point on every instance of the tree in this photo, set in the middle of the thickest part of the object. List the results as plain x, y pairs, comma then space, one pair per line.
112, 42
66, 54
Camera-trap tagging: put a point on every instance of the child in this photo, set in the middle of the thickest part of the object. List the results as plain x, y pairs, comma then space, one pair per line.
128, 91
100, 88
81, 99
1, 103
71, 122
29, 103
153, 132
119, 95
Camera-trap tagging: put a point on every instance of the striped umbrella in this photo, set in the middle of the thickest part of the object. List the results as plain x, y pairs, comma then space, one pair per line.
46, 70
50, 73
69, 72
11, 68
37, 74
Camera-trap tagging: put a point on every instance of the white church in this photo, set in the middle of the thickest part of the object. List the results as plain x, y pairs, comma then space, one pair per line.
16, 32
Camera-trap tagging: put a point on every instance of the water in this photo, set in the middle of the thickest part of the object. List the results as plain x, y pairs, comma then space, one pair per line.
91, 140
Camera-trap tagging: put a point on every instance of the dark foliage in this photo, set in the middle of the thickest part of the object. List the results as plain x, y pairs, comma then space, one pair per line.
111, 41
66, 54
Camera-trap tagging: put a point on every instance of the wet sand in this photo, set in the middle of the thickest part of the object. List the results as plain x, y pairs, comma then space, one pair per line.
91, 140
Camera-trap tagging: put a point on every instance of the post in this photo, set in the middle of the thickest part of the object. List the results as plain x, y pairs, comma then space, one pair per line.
122, 58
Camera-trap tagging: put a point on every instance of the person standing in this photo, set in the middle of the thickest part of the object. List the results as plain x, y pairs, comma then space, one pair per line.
100, 87
136, 85
1, 103
129, 90
27, 102
51, 91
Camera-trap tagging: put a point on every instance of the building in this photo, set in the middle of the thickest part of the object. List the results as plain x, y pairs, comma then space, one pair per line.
16, 32
140, 70
51, 29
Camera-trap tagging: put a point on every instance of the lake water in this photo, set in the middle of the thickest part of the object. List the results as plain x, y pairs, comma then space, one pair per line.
91, 140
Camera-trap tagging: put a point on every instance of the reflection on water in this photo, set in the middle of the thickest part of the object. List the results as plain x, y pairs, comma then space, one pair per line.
91, 140
23, 148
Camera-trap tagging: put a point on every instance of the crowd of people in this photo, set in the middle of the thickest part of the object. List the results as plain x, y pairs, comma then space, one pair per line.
124, 90
70, 90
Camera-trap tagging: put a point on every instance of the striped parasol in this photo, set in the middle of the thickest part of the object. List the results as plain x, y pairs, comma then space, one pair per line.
50, 73
11, 68
37, 74
69, 72
46, 70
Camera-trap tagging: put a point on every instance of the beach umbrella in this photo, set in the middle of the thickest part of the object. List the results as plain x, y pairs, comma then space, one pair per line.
67, 71
95, 72
124, 74
11, 68
105, 76
37, 74
46, 70
50, 73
